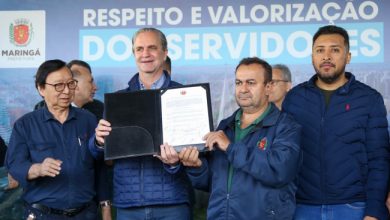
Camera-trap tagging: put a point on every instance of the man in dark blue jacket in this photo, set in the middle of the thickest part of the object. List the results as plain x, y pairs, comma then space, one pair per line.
345, 141
146, 187
251, 172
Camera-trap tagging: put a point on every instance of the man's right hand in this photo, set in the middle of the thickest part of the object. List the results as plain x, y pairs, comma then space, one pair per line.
102, 130
49, 167
190, 157
106, 213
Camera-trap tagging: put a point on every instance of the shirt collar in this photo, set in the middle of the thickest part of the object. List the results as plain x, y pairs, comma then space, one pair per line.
156, 85
255, 122
49, 116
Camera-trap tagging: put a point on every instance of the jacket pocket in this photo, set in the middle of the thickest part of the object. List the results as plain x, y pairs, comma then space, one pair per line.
281, 204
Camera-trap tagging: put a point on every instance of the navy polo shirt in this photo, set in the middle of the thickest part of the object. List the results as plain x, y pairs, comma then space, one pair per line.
38, 135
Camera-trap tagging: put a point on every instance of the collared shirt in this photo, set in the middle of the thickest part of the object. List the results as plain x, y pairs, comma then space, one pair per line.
38, 135
156, 85
240, 133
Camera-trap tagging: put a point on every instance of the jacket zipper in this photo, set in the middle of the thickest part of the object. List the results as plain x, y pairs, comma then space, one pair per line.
229, 187
322, 147
142, 180
227, 205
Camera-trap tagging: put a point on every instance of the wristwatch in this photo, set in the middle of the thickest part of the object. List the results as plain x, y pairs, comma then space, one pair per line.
105, 203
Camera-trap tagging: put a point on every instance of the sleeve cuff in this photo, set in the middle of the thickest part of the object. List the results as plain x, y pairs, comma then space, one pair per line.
172, 169
20, 174
376, 209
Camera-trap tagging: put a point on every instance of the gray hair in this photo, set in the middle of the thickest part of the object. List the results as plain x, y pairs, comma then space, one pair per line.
163, 39
285, 71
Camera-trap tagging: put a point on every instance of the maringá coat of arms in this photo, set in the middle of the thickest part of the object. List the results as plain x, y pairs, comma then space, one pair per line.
20, 32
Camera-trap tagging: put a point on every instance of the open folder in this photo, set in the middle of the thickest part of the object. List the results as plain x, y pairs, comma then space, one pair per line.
143, 120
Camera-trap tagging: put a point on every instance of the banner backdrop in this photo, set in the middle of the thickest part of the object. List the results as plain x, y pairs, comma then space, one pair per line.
206, 40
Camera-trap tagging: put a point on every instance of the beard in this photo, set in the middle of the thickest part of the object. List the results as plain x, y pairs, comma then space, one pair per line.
329, 78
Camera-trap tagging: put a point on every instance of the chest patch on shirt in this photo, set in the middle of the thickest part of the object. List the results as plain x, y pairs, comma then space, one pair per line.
262, 144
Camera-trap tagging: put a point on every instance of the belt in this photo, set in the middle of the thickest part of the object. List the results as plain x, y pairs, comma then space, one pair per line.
66, 212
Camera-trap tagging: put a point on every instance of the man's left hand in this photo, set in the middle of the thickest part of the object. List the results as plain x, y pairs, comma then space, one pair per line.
168, 155
217, 137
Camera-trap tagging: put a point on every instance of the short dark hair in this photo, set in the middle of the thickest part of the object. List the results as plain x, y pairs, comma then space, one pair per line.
163, 39
79, 63
45, 69
332, 29
263, 63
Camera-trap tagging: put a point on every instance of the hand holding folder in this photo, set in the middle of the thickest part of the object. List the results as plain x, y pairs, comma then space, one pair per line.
143, 120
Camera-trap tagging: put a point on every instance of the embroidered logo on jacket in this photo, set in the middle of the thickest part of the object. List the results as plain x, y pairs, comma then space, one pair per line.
347, 107
262, 144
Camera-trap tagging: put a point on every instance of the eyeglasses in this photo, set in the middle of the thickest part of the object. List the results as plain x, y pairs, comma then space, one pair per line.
59, 87
276, 81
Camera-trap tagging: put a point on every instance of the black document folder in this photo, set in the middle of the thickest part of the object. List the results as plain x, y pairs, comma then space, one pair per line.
137, 119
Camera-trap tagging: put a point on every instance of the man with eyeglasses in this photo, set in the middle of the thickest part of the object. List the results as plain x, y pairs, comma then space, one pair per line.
83, 98
48, 152
85, 92
58, 87
280, 84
